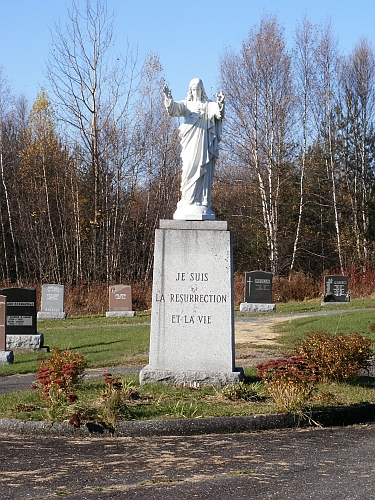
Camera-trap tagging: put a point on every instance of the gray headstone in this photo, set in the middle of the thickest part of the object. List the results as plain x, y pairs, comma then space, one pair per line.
53, 298
52, 302
20, 311
336, 288
258, 287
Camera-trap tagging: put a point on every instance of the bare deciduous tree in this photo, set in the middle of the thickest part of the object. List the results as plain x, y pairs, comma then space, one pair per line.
259, 89
93, 91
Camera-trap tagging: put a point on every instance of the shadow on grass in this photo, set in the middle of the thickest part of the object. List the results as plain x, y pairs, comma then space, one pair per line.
363, 381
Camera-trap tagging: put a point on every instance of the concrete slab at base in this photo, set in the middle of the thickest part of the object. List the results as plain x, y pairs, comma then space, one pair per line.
114, 314
218, 225
50, 315
252, 307
32, 342
191, 378
334, 303
6, 357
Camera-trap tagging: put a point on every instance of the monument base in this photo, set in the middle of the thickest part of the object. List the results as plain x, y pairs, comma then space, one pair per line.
192, 320
334, 303
6, 357
50, 315
191, 378
329, 300
29, 342
253, 307
117, 314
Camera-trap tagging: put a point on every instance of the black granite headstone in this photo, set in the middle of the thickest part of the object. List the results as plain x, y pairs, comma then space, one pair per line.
20, 311
336, 288
258, 287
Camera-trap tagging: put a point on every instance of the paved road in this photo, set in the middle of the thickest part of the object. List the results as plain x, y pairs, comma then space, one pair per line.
330, 463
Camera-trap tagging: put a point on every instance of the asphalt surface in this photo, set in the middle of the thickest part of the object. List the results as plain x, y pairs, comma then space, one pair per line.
314, 463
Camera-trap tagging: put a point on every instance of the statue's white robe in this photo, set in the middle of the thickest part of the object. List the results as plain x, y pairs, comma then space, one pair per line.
200, 135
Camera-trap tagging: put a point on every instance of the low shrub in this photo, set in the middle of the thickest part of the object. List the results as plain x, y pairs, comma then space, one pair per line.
112, 405
338, 357
58, 376
57, 380
241, 391
297, 287
288, 381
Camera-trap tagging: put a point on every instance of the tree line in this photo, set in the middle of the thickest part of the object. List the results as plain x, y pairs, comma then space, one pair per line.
88, 170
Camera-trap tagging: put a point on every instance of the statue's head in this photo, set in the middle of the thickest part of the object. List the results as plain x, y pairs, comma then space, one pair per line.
196, 82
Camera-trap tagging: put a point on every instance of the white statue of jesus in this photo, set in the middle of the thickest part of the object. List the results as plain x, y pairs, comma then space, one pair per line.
200, 135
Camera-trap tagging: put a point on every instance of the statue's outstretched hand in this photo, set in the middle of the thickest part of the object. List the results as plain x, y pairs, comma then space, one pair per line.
220, 98
167, 92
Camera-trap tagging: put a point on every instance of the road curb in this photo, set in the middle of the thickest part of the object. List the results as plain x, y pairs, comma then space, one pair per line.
334, 417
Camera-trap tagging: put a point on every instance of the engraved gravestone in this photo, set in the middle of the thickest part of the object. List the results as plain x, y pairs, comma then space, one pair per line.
120, 301
258, 292
21, 310
20, 320
258, 287
336, 289
6, 357
52, 302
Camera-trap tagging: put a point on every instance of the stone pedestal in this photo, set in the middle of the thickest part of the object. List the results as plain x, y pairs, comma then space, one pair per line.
25, 342
118, 314
41, 315
6, 357
192, 321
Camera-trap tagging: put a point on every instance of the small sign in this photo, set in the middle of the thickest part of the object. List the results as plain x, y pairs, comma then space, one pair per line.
336, 288
120, 298
258, 287
53, 298
20, 311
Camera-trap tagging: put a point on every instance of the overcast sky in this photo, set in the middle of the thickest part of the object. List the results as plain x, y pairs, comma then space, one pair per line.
189, 36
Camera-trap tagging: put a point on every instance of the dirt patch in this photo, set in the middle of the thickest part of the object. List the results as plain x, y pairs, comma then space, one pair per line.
259, 330
252, 333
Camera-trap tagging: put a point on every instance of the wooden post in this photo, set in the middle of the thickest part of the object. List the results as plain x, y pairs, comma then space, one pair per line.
3, 305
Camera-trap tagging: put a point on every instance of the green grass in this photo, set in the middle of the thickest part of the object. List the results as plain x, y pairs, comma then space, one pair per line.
158, 401
293, 331
314, 306
103, 342
123, 341
115, 341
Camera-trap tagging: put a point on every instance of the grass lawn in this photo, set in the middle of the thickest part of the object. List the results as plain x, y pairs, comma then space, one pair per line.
103, 341
291, 332
124, 341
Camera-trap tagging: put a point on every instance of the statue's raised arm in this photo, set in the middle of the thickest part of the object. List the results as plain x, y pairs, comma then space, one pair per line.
220, 99
200, 135
167, 94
